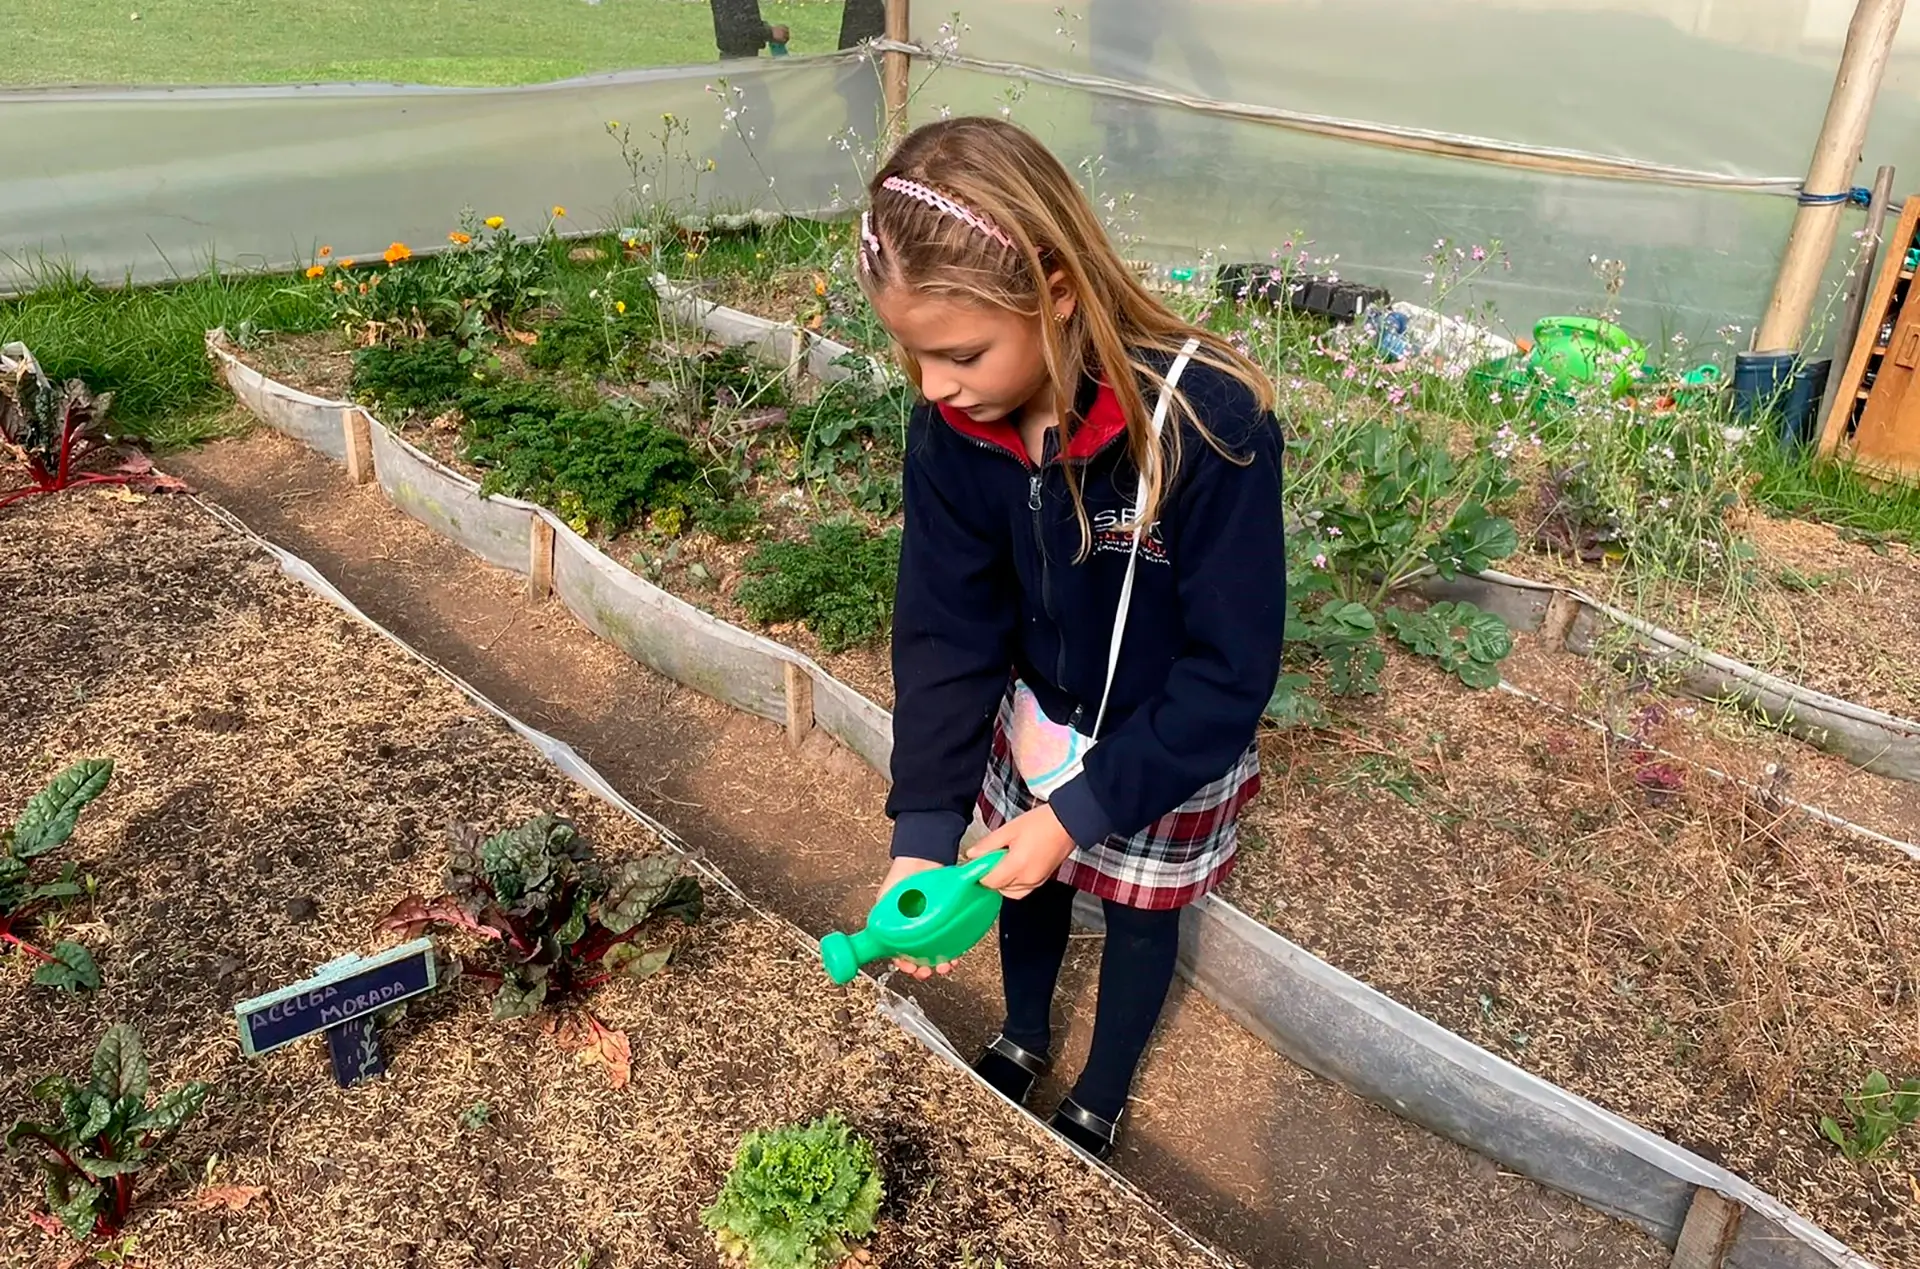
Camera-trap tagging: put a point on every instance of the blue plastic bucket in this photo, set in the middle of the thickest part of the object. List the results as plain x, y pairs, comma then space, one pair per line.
1783, 386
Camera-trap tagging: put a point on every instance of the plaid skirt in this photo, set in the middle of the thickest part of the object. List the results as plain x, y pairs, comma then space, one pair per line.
1168, 864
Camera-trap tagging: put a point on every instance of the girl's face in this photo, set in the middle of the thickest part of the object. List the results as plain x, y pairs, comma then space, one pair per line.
984, 361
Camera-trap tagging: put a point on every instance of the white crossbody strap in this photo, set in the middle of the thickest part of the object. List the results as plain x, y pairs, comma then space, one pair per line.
1160, 409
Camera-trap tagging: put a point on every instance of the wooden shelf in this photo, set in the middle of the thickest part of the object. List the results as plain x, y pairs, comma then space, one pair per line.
1880, 425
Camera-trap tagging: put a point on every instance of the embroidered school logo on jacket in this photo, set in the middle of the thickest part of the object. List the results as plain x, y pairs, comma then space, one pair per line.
1112, 533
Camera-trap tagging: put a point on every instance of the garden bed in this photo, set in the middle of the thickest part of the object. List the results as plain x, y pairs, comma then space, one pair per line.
1703, 961
283, 777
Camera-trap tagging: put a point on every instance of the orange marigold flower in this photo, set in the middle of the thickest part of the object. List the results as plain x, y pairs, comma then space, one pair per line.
399, 251
495, 222
317, 270
325, 252
347, 263
559, 213
459, 239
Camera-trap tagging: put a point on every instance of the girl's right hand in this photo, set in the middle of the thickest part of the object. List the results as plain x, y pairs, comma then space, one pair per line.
907, 867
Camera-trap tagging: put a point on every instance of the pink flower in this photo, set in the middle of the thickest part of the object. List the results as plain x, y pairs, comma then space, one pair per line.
1320, 560
1479, 253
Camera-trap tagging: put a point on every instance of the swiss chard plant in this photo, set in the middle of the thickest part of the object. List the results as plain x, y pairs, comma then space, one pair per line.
45, 825
1876, 1115
552, 921
797, 1197
107, 1132
59, 433
1382, 506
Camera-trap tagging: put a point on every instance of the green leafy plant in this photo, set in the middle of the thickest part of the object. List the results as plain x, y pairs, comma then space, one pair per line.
56, 430
839, 582
47, 823
1876, 1115
1383, 506
489, 276
107, 1133
596, 464
797, 1197
414, 376
1467, 641
851, 439
556, 922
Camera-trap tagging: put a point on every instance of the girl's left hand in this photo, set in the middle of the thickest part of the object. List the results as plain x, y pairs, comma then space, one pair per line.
1036, 846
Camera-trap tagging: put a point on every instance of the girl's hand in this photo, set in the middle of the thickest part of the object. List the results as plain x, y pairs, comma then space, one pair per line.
906, 867
1036, 846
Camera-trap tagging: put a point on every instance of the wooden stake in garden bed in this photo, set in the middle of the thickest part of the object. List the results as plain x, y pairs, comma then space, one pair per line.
341, 1002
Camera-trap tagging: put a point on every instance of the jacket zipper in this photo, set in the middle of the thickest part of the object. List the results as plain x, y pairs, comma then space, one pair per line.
1034, 485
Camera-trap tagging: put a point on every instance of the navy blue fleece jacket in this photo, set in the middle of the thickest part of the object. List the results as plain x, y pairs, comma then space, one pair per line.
990, 587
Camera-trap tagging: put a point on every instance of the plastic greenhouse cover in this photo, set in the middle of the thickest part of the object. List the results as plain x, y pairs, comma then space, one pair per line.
1697, 259
1729, 86
150, 184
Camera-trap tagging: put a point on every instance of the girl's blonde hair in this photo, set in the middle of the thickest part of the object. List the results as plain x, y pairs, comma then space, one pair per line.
976, 209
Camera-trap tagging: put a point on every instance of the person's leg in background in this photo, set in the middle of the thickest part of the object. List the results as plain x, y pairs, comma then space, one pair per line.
859, 81
740, 32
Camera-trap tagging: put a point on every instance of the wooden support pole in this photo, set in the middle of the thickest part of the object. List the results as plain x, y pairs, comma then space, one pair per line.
1862, 285
895, 68
1863, 63
799, 703
1707, 1236
354, 426
540, 560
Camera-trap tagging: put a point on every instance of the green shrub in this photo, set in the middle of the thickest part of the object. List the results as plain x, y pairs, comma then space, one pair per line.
797, 1196
597, 465
416, 377
839, 583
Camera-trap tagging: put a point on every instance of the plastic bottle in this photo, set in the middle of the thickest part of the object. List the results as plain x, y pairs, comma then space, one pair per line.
928, 918
1179, 279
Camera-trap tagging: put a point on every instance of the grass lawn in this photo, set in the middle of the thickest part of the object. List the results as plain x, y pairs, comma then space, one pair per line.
476, 42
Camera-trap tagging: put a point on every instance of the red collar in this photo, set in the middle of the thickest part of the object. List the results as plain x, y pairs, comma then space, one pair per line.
1103, 420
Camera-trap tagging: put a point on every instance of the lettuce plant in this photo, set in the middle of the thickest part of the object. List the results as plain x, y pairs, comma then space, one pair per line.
45, 825
797, 1197
106, 1134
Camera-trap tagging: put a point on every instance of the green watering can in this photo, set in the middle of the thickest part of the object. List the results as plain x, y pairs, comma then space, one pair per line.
929, 918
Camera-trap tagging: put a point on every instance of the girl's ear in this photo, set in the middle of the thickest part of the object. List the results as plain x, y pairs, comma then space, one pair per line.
1061, 295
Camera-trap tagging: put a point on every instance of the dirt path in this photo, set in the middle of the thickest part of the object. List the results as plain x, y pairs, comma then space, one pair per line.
1250, 1151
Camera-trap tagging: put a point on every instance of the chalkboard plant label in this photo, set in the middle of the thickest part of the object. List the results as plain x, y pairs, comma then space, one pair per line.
105, 1134
549, 922
45, 825
342, 991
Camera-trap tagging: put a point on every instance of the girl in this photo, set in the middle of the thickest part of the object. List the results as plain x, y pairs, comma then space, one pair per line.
1091, 587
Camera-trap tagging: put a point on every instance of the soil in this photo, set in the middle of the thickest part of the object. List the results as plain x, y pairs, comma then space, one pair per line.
282, 774
1281, 1168
1827, 612
1701, 960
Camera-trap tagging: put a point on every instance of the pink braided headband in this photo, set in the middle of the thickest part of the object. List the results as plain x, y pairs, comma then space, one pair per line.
870, 244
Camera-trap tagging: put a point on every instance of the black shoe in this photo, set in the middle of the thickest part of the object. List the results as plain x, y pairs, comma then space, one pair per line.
1010, 1069
1085, 1129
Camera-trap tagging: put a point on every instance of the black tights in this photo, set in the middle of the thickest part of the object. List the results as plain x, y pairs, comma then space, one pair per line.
1136, 968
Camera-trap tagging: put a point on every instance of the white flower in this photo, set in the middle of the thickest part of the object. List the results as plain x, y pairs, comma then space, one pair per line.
1735, 435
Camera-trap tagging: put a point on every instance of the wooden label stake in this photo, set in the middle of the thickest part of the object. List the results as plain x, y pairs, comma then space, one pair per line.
540, 560
353, 422
1707, 1236
799, 703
